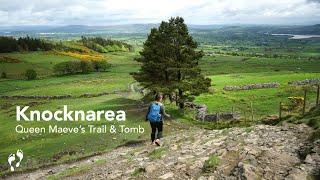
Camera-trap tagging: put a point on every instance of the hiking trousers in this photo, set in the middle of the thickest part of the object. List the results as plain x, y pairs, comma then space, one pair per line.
156, 130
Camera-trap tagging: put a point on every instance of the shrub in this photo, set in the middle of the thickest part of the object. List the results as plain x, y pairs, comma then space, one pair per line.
74, 67
86, 66
70, 67
31, 74
100, 66
295, 102
3, 75
100, 48
60, 68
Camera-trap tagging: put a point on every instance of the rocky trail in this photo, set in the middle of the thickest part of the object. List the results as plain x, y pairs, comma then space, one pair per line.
258, 152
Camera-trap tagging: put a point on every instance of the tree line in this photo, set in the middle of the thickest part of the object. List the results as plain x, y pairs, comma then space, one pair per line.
10, 44
102, 45
75, 67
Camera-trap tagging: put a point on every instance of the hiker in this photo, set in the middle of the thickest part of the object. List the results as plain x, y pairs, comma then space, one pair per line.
155, 115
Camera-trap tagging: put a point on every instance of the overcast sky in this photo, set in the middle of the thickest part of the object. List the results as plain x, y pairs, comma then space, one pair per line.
109, 12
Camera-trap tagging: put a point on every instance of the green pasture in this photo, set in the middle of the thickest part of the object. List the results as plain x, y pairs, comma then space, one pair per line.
52, 148
42, 62
219, 64
41, 149
265, 101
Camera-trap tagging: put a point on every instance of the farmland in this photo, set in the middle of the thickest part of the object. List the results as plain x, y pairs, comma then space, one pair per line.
223, 69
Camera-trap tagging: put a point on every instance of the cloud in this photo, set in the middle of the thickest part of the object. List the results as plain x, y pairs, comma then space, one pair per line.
104, 12
315, 1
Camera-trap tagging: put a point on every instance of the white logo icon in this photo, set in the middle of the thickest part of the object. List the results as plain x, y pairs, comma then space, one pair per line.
12, 158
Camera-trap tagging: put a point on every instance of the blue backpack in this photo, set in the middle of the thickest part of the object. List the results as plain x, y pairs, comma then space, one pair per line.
154, 113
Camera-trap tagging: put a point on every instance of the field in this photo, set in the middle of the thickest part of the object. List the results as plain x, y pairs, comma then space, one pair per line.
44, 149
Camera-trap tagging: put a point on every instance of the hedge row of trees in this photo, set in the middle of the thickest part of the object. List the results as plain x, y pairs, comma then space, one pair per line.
10, 44
75, 67
105, 45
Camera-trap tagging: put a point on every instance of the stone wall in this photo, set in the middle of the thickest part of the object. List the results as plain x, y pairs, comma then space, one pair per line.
252, 86
35, 97
305, 82
223, 116
202, 115
85, 95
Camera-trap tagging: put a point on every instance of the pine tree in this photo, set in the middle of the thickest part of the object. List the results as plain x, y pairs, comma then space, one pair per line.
170, 62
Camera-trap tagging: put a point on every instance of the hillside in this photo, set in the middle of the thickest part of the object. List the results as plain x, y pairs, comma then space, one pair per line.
234, 57
261, 151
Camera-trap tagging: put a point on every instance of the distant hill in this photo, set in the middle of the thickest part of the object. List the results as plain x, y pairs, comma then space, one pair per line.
131, 28
145, 28
298, 30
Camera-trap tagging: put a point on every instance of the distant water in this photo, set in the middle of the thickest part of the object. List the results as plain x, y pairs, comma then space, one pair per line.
294, 36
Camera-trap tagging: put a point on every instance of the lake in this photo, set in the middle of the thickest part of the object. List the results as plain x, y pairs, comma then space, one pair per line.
294, 36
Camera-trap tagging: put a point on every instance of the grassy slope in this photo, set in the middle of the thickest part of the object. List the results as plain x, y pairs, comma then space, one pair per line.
235, 64
265, 101
229, 70
224, 70
41, 148
42, 62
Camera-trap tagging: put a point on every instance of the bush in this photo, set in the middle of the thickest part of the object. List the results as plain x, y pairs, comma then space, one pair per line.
100, 66
31, 74
70, 67
86, 66
100, 48
74, 67
3, 75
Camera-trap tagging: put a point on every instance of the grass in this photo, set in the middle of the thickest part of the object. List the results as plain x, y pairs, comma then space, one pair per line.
42, 149
45, 149
311, 118
76, 170
48, 146
138, 171
234, 64
211, 164
70, 172
41, 62
157, 153
264, 101
248, 129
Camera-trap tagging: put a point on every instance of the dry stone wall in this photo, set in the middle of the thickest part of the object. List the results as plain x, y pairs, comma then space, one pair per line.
252, 86
202, 115
305, 82
85, 95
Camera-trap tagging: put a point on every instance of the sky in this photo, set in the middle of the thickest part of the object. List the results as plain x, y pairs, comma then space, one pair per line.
198, 12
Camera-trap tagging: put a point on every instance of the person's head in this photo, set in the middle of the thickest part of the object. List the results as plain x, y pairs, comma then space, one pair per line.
158, 97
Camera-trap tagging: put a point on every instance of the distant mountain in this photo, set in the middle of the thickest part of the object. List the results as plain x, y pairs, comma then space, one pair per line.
297, 30
4, 29
145, 28
131, 28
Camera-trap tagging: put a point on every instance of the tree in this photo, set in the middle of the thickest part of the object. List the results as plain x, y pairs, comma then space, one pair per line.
170, 62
